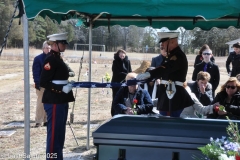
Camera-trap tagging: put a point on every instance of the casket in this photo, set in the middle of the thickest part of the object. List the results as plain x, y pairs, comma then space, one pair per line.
146, 137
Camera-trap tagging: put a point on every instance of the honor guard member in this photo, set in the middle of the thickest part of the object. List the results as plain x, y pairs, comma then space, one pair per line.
234, 58
172, 97
57, 94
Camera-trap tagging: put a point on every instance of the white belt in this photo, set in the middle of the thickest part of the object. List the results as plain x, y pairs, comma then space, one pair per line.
60, 81
176, 82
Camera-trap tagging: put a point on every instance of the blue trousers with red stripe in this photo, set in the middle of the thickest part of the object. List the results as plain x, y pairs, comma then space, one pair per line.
56, 128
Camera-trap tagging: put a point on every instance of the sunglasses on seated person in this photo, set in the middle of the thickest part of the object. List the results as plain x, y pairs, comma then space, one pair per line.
232, 87
207, 54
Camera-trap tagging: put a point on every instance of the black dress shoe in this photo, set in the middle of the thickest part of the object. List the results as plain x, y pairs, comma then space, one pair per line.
45, 124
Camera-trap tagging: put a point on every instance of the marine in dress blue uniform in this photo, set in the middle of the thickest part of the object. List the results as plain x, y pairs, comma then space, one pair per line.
172, 97
57, 94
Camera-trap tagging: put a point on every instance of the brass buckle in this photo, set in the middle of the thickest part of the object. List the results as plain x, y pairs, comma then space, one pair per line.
170, 82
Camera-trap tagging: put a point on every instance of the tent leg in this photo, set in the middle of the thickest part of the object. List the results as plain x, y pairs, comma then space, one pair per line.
89, 79
26, 89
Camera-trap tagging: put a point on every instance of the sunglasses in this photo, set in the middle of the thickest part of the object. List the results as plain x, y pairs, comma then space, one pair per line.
207, 54
232, 87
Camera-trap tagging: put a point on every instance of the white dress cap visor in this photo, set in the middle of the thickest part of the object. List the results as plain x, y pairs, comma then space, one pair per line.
61, 37
167, 35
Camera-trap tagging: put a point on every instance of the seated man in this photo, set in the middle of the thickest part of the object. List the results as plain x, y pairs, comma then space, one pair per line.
202, 88
132, 99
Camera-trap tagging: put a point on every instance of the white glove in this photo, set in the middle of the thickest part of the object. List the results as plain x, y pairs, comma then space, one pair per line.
71, 74
67, 88
143, 76
229, 74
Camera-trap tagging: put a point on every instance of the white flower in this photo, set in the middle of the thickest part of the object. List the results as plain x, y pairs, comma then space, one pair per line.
225, 157
211, 139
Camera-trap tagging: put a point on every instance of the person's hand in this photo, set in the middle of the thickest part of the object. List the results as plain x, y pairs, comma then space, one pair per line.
67, 88
158, 81
222, 112
143, 76
216, 107
129, 111
229, 74
71, 74
202, 88
37, 86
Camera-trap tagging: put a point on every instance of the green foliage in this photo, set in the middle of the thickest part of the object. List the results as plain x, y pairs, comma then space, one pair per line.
223, 147
233, 131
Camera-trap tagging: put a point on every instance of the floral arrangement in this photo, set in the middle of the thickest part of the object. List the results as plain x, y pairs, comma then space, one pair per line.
135, 101
224, 148
107, 77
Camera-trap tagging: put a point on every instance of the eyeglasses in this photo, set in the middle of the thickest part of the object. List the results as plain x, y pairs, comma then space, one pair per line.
207, 54
232, 87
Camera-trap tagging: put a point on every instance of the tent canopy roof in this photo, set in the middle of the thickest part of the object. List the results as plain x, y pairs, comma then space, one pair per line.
172, 14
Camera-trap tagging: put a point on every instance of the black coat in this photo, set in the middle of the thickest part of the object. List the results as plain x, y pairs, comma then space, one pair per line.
199, 59
205, 98
54, 69
175, 69
212, 69
235, 60
233, 108
120, 68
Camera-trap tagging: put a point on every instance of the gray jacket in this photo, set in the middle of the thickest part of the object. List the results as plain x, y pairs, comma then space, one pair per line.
190, 112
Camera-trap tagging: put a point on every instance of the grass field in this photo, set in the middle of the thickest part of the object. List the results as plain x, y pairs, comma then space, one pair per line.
12, 99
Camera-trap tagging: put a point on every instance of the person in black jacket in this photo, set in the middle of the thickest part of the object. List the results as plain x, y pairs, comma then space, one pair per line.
234, 58
57, 94
207, 66
229, 97
202, 88
132, 99
121, 67
199, 57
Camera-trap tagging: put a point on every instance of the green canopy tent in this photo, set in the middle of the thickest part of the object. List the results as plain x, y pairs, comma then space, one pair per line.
172, 14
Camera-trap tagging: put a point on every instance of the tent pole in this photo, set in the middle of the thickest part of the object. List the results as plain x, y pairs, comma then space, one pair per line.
89, 79
26, 89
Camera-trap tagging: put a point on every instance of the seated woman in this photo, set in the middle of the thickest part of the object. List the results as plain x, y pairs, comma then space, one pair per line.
197, 107
126, 97
229, 97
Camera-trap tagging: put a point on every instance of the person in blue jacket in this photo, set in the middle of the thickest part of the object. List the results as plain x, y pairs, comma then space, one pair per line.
132, 100
37, 66
157, 61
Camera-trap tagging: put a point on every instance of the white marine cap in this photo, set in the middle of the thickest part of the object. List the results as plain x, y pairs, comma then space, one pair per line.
167, 35
59, 37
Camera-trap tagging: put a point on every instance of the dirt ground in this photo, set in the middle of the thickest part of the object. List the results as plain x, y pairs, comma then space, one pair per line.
12, 101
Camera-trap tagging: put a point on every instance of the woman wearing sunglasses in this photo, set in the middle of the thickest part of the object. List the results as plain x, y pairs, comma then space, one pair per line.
229, 97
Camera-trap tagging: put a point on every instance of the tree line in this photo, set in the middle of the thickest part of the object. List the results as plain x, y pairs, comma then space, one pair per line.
132, 38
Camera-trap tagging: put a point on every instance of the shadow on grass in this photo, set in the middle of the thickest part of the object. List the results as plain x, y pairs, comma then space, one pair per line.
82, 149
